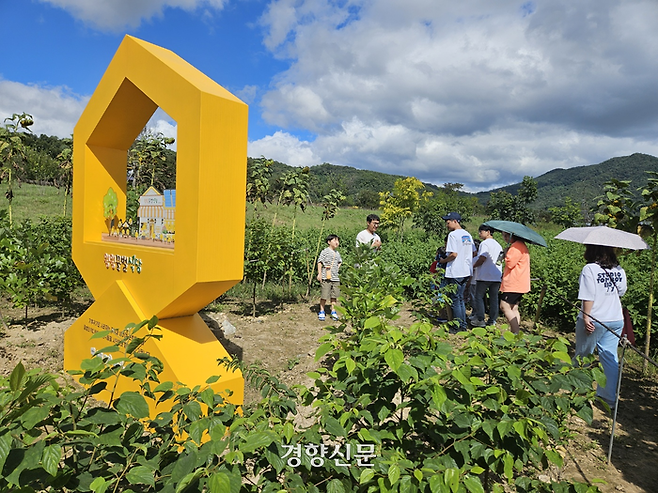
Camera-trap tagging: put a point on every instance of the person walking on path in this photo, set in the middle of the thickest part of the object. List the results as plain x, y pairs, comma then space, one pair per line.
328, 264
369, 235
516, 279
602, 282
458, 264
488, 276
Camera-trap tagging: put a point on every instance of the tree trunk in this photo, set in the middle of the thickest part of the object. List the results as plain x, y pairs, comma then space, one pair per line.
292, 245
253, 300
647, 339
315, 260
10, 197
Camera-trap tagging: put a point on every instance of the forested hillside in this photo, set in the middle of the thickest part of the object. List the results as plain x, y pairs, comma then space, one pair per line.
584, 183
361, 187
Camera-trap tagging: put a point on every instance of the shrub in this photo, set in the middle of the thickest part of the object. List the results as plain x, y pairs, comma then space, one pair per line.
35, 262
489, 414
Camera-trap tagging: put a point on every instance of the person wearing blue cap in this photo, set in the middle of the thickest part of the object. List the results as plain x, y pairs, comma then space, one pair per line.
458, 264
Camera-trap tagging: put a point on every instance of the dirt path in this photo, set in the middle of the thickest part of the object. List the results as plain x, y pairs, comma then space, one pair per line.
285, 342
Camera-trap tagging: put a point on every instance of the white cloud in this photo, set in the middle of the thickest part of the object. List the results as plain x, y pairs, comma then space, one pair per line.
285, 148
113, 15
482, 160
476, 91
247, 94
55, 110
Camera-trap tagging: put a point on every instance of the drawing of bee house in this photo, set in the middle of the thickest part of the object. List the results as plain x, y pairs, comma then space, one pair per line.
157, 214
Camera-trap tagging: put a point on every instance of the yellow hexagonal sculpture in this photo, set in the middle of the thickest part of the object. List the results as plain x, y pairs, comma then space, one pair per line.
207, 259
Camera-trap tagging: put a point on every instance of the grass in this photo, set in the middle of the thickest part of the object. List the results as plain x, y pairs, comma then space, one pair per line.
32, 201
311, 217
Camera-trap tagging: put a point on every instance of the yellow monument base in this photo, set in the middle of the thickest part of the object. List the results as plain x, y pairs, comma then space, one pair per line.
188, 349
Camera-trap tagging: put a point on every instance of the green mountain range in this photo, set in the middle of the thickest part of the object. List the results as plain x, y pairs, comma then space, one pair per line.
582, 183
585, 183
361, 187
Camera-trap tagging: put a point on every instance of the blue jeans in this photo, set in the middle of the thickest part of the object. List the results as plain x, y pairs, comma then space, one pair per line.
458, 307
606, 343
478, 303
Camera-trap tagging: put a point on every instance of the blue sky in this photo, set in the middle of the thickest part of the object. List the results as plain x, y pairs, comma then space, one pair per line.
476, 92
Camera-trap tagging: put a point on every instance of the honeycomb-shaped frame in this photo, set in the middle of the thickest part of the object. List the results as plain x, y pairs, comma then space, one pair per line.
210, 180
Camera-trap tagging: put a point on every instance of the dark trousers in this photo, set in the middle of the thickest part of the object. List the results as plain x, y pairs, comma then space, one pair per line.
478, 304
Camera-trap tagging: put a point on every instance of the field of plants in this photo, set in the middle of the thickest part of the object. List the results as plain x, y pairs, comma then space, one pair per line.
474, 412
385, 399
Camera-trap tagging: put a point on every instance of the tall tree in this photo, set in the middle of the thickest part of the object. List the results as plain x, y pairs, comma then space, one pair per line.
616, 207
400, 204
503, 205
294, 192
12, 152
259, 172
448, 199
147, 159
65, 163
648, 218
567, 215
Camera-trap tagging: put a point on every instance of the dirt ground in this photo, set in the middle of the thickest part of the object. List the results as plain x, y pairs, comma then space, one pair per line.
284, 340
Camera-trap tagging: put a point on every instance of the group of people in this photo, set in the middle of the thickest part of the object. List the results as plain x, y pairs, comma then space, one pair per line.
463, 261
602, 282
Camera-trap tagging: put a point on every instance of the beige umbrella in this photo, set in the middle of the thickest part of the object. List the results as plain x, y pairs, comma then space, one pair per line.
604, 236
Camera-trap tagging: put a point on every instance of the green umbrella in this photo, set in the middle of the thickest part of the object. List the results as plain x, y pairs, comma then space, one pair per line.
518, 230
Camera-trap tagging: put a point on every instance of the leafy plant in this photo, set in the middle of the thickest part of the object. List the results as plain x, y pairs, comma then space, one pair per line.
488, 414
35, 262
258, 182
503, 205
399, 204
12, 152
447, 199
567, 215
616, 205
150, 162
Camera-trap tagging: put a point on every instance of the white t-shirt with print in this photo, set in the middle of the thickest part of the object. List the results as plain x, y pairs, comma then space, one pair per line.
461, 243
365, 237
490, 249
596, 286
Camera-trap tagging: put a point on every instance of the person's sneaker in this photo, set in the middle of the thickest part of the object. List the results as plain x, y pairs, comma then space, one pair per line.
478, 323
334, 315
321, 316
491, 323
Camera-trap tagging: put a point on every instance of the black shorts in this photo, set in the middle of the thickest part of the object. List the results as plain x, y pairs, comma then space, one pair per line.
511, 298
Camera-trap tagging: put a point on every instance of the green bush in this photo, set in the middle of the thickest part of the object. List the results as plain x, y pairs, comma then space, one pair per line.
35, 262
487, 415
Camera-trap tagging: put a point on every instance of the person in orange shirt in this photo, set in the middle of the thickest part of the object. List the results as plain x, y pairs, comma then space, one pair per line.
516, 280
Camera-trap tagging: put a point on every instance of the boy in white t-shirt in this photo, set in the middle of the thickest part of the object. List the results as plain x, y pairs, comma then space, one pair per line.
488, 275
458, 264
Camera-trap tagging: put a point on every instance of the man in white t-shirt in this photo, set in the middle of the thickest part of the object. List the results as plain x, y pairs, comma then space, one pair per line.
488, 275
458, 264
369, 236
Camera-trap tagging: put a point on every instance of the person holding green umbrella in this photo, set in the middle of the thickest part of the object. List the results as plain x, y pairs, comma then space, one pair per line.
516, 279
516, 275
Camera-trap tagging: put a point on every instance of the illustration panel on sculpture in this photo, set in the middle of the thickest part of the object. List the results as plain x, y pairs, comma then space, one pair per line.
150, 218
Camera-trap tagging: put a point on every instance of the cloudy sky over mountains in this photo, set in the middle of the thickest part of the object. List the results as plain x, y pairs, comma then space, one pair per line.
476, 92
